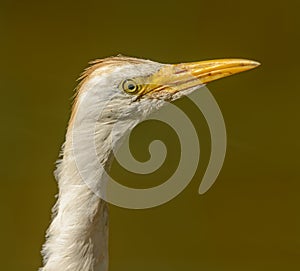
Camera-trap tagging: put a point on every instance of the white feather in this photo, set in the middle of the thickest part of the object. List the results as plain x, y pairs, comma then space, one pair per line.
77, 239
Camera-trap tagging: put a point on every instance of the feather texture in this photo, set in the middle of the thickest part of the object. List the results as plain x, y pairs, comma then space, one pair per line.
77, 238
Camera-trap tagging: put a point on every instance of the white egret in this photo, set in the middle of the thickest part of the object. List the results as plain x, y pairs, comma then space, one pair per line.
77, 239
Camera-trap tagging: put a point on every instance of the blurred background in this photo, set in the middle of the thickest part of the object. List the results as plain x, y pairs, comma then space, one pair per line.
249, 219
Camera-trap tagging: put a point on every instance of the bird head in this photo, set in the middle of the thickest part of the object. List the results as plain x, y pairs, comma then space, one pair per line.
125, 88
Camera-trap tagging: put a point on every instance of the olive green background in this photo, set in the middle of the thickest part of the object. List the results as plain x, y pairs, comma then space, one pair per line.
249, 220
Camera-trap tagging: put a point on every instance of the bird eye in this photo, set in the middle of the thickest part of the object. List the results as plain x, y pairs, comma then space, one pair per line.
130, 86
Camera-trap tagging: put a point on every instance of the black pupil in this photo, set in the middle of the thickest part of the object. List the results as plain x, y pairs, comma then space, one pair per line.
131, 86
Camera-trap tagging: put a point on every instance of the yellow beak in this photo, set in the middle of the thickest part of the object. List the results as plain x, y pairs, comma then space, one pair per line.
179, 77
210, 70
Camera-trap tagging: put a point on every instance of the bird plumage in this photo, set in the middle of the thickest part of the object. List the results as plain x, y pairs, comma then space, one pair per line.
77, 239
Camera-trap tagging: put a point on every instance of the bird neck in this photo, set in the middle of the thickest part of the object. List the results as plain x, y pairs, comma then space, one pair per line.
77, 238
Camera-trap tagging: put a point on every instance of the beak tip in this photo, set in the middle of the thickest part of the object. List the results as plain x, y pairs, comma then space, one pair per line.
254, 63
